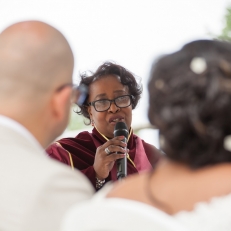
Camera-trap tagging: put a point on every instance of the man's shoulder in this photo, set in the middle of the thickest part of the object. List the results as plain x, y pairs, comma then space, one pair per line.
41, 169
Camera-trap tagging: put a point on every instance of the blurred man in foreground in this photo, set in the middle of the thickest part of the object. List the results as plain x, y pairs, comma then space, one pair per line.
35, 97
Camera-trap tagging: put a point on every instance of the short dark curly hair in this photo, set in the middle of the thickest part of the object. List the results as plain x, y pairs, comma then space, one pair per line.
108, 68
193, 110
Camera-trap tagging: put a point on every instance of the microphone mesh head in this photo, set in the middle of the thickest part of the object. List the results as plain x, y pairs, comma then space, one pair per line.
121, 125
121, 129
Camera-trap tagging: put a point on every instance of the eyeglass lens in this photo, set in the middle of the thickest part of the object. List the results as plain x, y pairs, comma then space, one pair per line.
121, 101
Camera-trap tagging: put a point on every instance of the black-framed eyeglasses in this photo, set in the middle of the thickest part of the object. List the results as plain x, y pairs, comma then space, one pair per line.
78, 94
104, 104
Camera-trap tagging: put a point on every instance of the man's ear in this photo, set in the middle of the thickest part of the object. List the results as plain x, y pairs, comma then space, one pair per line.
60, 104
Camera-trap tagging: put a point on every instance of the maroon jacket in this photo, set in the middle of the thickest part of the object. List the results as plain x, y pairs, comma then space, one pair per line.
83, 147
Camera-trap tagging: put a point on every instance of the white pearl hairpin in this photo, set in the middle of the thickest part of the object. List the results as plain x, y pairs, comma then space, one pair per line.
227, 143
198, 65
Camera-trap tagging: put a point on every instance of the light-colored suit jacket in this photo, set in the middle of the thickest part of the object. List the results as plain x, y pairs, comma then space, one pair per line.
35, 191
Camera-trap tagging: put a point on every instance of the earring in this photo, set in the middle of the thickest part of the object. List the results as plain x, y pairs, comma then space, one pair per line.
92, 123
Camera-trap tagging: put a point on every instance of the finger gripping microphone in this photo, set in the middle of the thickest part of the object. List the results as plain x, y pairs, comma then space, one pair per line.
121, 164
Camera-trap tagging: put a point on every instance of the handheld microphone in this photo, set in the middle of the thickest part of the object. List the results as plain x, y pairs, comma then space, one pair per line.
121, 164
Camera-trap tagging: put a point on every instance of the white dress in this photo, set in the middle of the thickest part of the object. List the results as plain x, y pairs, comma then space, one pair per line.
117, 214
206, 216
212, 216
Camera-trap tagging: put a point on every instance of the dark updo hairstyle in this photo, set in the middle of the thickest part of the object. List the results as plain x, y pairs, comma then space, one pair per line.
109, 68
191, 107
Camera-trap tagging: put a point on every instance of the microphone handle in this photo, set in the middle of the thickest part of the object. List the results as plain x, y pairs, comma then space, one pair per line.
121, 165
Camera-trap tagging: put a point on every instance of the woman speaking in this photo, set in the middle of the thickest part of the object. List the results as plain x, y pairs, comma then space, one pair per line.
113, 94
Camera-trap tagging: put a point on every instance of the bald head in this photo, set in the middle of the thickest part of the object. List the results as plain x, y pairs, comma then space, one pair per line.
35, 58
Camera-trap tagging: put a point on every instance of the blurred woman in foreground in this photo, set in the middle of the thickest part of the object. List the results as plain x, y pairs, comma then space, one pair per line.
190, 103
113, 94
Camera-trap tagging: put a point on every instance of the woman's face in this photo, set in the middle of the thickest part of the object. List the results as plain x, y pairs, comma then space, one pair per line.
108, 87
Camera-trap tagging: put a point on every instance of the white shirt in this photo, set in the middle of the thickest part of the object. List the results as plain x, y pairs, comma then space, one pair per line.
14, 125
36, 191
